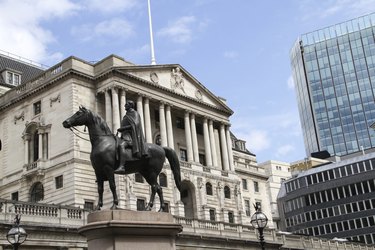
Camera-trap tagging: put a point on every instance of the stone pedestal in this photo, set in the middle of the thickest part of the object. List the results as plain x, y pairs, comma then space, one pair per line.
125, 229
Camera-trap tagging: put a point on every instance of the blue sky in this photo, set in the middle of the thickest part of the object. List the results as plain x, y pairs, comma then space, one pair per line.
238, 49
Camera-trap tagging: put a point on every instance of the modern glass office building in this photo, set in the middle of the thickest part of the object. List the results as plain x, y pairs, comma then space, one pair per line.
332, 201
334, 74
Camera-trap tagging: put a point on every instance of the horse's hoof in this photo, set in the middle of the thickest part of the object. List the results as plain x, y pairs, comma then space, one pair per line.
114, 207
148, 208
161, 210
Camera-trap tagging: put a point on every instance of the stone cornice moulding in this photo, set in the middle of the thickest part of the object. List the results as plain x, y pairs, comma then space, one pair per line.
149, 83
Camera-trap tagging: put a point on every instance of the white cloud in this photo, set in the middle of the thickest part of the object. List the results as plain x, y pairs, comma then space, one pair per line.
180, 31
284, 150
114, 28
290, 82
110, 6
21, 30
257, 140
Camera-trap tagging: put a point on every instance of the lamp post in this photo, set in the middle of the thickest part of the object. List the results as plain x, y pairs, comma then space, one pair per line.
259, 221
16, 235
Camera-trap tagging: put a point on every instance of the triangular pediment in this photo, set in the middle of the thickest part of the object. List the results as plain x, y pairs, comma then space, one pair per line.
178, 80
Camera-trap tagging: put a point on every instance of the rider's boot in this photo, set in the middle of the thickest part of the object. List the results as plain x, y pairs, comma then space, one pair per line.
121, 167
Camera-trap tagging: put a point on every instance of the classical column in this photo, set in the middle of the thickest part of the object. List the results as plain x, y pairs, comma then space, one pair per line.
147, 117
122, 102
140, 111
26, 142
40, 146
163, 129
189, 146
230, 151
207, 146
169, 126
115, 110
212, 143
194, 138
224, 149
108, 108
45, 146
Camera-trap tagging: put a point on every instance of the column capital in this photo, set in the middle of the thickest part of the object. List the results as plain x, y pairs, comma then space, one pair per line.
169, 104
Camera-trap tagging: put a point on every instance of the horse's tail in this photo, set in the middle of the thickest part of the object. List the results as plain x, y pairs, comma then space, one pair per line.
175, 165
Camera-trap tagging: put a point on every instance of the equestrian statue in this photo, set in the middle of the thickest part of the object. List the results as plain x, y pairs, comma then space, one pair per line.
129, 154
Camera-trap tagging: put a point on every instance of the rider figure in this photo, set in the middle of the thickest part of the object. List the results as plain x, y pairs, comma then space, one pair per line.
132, 134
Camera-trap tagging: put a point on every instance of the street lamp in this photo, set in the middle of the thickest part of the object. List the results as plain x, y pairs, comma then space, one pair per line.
16, 235
259, 221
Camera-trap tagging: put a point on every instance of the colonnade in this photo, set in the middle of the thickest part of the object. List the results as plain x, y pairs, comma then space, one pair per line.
217, 149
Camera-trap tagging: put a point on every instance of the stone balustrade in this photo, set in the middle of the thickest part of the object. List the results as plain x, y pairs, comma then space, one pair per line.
74, 217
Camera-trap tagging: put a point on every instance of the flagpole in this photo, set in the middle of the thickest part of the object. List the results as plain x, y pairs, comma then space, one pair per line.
153, 61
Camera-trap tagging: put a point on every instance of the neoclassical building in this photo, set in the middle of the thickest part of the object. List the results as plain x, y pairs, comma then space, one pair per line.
46, 174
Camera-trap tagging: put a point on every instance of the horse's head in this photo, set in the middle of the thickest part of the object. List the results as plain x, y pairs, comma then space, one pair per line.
78, 119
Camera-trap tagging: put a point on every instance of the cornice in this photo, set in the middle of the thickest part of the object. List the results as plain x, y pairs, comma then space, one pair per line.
45, 84
114, 71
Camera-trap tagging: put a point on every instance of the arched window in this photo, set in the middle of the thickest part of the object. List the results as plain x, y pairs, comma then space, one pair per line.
163, 180
227, 192
208, 188
37, 192
36, 142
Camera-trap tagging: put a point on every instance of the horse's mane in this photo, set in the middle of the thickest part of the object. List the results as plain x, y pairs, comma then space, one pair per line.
97, 119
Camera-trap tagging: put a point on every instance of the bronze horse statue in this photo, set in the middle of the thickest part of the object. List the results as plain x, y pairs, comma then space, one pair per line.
103, 158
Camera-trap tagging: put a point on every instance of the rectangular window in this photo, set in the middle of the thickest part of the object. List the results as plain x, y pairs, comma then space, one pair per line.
199, 128
166, 207
37, 108
10, 78
14, 196
247, 208
244, 184
140, 205
183, 154
16, 79
89, 205
212, 215
230, 217
202, 159
13, 78
180, 123
256, 186
157, 119
59, 181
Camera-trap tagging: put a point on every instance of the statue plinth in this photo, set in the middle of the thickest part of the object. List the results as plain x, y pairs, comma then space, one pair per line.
125, 229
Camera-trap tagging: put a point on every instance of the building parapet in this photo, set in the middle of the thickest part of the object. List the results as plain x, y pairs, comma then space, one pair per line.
74, 217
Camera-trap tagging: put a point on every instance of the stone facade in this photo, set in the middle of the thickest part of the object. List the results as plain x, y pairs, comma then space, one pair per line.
43, 162
46, 174
278, 173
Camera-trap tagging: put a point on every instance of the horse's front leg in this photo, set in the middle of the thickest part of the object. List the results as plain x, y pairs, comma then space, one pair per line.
112, 186
152, 198
100, 193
